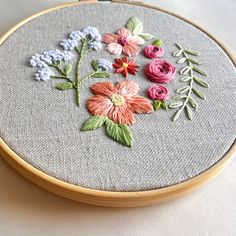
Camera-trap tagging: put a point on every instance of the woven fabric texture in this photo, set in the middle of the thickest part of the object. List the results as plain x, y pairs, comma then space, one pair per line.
43, 124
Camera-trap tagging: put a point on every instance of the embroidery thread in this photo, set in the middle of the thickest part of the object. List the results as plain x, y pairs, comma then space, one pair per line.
125, 67
159, 94
184, 100
127, 39
113, 106
83, 42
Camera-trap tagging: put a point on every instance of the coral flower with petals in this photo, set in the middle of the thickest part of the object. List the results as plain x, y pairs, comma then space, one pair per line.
124, 66
118, 102
124, 41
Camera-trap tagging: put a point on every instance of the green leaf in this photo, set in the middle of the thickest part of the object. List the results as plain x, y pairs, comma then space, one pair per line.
164, 105
94, 122
156, 105
199, 71
178, 46
68, 69
95, 65
101, 75
177, 53
194, 53
185, 70
201, 82
146, 37
65, 86
198, 93
135, 26
192, 102
178, 97
174, 105
183, 89
186, 78
189, 112
181, 60
120, 133
176, 116
194, 61
158, 43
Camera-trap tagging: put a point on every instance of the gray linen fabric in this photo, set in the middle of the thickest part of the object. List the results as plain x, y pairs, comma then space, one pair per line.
43, 124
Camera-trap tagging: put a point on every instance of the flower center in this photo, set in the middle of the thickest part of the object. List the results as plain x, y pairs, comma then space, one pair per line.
117, 100
155, 49
122, 41
125, 65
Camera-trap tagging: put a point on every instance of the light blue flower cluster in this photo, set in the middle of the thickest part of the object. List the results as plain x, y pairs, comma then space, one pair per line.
91, 33
104, 64
42, 62
44, 74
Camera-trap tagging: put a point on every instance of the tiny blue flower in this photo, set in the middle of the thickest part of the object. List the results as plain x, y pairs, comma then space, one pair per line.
67, 56
92, 32
69, 44
95, 45
36, 61
77, 35
43, 74
104, 64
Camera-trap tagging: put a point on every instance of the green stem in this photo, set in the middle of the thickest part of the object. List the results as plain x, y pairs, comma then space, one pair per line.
58, 68
89, 76
81, 53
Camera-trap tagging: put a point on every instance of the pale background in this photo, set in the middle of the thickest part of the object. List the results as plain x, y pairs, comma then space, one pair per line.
26, 209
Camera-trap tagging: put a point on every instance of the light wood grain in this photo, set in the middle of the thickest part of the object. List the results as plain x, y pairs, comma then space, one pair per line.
107, 198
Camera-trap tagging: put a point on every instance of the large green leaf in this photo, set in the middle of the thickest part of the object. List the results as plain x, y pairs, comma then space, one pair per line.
120, 133
135, 26
65, 86
101, 75
94, 122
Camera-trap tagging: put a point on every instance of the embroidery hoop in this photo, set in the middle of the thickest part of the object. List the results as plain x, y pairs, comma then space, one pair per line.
108, 198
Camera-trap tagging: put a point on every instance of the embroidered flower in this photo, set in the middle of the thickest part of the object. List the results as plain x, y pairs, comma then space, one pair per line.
95, 45
92, 32
69, 44
124, 66
123, 41
158, 92
152, 51
160, 71
77, 35
44, 74
105, 65
118, 102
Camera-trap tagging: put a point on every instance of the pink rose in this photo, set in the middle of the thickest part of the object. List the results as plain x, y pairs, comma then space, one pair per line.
160, 71
152, 51
158, 92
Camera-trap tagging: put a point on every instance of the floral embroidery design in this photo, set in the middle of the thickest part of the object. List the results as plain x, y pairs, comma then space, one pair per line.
159, 94
83, 42
184, 100
154, 50
124, 66
114, 106
127, 39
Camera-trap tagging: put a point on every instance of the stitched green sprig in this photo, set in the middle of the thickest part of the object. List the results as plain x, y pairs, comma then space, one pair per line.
184, 100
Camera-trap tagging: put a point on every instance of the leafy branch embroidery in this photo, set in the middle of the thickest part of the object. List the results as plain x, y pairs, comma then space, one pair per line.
184, 100
82, 42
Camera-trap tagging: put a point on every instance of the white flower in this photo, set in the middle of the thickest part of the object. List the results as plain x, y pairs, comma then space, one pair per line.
43, 74
77, 35
95, 45
92, 32
69, 44
104, 64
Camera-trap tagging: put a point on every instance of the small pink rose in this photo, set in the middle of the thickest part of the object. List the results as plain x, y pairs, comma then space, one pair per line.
152, 51
158, 92
160, 71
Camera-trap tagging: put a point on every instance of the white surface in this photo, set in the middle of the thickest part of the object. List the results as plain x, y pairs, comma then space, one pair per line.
25, 209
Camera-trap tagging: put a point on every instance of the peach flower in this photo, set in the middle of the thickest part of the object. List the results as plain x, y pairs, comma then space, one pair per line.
123, 41
119, 102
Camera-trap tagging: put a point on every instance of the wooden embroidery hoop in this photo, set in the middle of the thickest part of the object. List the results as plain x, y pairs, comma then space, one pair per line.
107, 198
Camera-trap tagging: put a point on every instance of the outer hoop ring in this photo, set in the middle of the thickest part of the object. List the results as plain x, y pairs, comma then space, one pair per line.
107, 198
